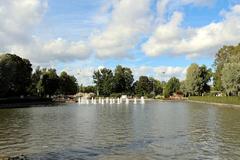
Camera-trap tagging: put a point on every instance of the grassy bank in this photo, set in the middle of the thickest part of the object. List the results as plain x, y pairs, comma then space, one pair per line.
212, 99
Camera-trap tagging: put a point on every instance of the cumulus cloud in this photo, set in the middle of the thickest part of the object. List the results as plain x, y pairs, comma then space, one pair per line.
128, 22
52, 50
163, 73
18, 21
171, 38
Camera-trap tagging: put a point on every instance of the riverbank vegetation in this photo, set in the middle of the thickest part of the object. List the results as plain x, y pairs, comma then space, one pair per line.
234, 100
17, 78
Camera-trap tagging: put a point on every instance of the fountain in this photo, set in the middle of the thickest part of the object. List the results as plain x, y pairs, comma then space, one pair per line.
142, 100
135, 101
92, 100
113, 100
99, 100
127, 101
118, 101
110, 101
79, 100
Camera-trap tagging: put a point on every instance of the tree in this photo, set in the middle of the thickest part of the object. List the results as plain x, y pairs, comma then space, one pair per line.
205, 75
231, 78
197, 79
227, 54
49, 82
35, 78
88, 89
183, 88
172, 86
123, 80
103, 79
67, 84
143, 86
15, 75
157, 86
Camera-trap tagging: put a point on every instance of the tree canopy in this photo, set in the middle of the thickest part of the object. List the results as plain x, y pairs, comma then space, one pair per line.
197, 79
172, 86
123, 80
103, 79
231, 78
15, 75
67, 84
227, 54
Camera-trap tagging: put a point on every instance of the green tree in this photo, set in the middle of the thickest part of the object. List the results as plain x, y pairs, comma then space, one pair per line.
123, 80
231, 78
88, 89
183, 88
157, 86
143, 86
197, 79
103, 79
227, 54
205, 75
35, 78
172, 86
67, 84
49, 82
15, 75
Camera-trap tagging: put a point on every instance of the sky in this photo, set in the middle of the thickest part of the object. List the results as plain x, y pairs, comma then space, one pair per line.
158, 38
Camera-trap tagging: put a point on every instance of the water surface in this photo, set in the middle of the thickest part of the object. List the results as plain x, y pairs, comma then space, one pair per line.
156, 130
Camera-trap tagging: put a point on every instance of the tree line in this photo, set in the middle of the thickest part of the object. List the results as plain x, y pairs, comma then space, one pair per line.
17, 78
199, 80
121, 81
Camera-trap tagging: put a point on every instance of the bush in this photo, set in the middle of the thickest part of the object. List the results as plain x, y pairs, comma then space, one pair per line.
116, 95
150, 95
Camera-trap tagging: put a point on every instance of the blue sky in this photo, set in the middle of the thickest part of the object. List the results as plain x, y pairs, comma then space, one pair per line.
150, 36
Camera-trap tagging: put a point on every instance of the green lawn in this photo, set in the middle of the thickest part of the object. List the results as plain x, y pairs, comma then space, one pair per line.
212, 99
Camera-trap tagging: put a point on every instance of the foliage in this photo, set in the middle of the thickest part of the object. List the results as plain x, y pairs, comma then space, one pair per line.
143, 86
123, 79
87, 89
231, 78
49, 82
67, 84
36, 76
183, 88
213, 99
116, 95
171, 87
157, 86
103, 79
15, 75
227, 54
197, 79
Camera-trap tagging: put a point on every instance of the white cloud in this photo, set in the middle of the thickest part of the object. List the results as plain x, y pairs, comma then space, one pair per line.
172, 39
52, 50
128, 22
164, 73
18, 21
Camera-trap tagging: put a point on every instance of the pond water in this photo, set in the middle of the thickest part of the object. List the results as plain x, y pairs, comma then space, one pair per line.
155, 130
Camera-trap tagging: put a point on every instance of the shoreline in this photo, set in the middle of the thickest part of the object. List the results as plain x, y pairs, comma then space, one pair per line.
216, 104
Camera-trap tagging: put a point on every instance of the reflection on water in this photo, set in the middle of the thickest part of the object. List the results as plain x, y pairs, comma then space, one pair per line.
155, 130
